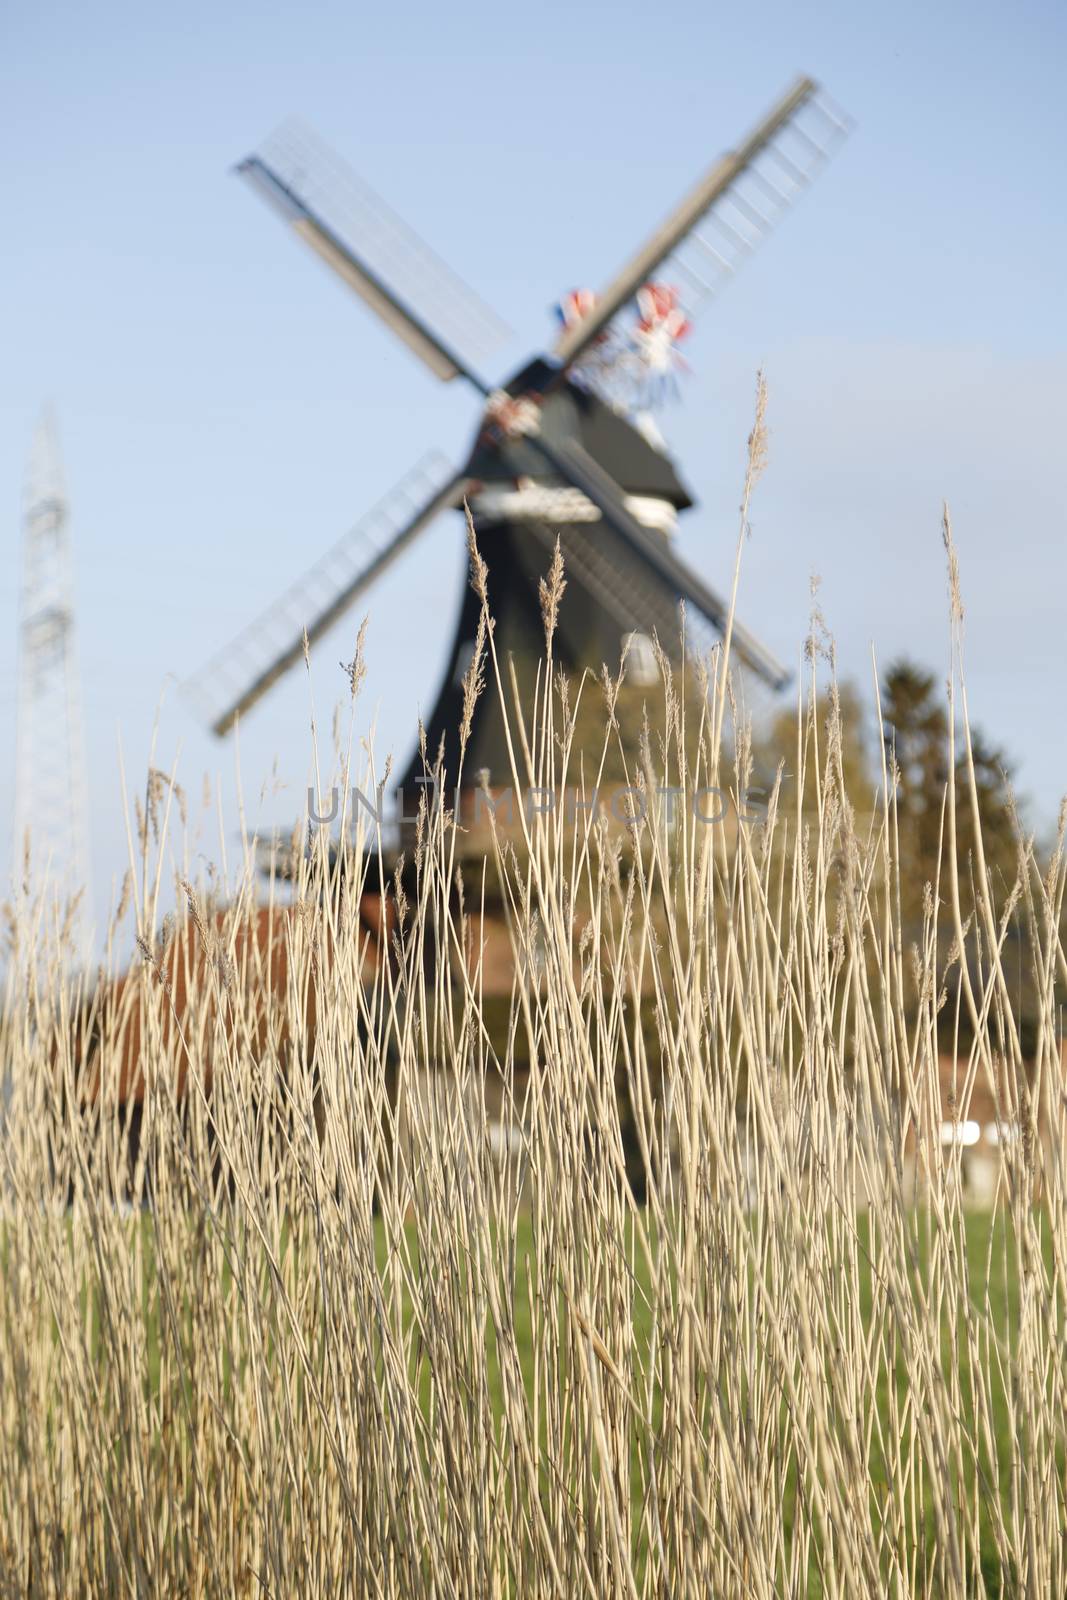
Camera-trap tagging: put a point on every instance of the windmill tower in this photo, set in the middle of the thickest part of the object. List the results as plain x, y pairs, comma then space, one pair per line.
50, 838
560, 448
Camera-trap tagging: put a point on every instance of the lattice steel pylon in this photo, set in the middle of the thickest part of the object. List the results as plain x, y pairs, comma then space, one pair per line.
51, 799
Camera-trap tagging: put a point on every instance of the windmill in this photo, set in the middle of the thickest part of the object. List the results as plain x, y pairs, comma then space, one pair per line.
560, 448
51, 803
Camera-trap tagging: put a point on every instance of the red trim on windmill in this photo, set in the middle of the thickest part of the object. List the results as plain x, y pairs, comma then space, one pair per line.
660, 327
576, 306
660, 315
511, 416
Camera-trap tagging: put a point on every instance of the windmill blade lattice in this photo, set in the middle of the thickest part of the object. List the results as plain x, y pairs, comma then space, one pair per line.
656, 556
757, 200
729, 212
377, 254
241, 674
611, 572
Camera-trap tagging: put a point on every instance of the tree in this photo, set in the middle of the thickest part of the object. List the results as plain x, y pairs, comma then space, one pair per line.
915, 731
838, 732
916, 734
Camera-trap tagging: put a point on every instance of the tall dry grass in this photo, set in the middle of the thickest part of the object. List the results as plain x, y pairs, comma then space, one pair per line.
337, 1345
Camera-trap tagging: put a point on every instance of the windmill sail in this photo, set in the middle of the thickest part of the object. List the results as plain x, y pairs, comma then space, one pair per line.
241, 674
727, 215
643, 605
376, 254
657, 556
551, 456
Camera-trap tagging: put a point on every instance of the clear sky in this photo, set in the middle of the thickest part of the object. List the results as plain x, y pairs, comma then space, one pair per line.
226, 410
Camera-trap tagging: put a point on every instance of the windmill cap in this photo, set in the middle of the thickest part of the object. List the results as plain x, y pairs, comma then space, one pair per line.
616, 443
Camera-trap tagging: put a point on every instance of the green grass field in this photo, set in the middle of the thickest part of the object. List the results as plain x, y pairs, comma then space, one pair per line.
993, 1294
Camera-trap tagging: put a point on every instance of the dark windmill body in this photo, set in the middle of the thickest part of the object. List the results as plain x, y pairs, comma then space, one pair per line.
560, 451
613, 601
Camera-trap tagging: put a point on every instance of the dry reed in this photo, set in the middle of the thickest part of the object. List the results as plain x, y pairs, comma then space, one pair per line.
335, 1344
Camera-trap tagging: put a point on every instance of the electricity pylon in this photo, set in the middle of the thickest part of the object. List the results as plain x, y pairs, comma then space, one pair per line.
51, 802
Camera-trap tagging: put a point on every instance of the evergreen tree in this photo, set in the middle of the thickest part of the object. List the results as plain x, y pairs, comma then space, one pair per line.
916, 733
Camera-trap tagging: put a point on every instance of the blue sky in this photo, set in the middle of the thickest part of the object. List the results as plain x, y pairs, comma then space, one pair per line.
227, 411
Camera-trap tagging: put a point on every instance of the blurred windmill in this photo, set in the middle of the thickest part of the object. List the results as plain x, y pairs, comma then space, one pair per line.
51, 800
561, 449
